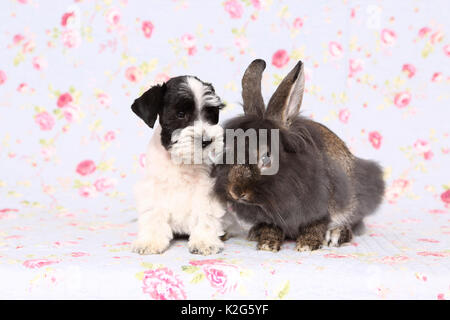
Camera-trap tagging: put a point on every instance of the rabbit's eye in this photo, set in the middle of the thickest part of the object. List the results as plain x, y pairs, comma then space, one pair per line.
265, 160
180, 114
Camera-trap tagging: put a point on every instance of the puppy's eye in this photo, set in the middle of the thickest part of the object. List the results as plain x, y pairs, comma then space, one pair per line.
265, 160
180, 115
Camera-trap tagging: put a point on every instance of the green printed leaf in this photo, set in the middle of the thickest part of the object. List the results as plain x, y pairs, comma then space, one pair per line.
147, 265
283, 292
190, 269
199, 277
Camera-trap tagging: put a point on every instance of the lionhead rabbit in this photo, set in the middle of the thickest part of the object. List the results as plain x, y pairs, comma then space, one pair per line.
320, 193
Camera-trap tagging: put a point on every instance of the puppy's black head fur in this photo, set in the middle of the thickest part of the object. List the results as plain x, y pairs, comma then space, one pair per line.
178, 103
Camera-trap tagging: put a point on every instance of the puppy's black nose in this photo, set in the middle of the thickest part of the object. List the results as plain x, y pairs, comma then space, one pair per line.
206, 143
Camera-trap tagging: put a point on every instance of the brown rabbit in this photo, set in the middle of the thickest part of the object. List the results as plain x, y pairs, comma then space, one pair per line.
321, 191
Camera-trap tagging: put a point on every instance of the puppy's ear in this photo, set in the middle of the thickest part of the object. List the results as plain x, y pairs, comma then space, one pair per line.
150, 104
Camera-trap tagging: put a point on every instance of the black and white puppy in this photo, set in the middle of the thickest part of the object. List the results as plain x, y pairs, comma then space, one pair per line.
175, 196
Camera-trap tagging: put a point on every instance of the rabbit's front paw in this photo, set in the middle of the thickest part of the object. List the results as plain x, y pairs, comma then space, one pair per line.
337, 236
308, 246
309, 242
269, 237
312, 236
269, 245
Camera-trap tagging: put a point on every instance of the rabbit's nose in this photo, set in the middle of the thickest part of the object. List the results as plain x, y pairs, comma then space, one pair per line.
239, 196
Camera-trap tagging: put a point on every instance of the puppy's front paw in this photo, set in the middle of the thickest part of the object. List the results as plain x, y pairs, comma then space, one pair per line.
143, 247
205, 248
337, 236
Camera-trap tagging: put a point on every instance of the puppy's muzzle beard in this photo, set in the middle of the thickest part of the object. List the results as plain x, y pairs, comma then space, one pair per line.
198, 144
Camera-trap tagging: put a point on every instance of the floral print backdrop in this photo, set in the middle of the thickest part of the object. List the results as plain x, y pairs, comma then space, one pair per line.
377, 73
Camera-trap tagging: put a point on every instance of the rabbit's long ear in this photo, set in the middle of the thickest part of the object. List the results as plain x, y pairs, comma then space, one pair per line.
150, 104
251, 88
284, 105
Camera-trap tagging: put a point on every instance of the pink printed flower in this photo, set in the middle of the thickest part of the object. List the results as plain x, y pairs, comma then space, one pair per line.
133, 74
103, 99
110, 136
223, 277
45, 120
428, 155
424, 31
447, 50
394, 259
256, 4
39, 63
437, 37
424, 149
113, 16
335, 49
38, 263
65, 18
205, 262
445, 196
388, 37
86, 167
3, 77
71, 38
79, 254
103, 184
344, 114
280, 58
147, 28
441, 296
355, 66
375, 139
437, 77
18, 38
64, 100
162, 284
409, 69
28, 46
87, 191
71, 113
402, 99
398, 187
421, 146
23, 88
298, 23
188, 40
234, 9
431, 254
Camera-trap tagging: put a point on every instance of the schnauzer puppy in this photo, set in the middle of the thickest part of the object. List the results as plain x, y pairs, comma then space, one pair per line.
175, 196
